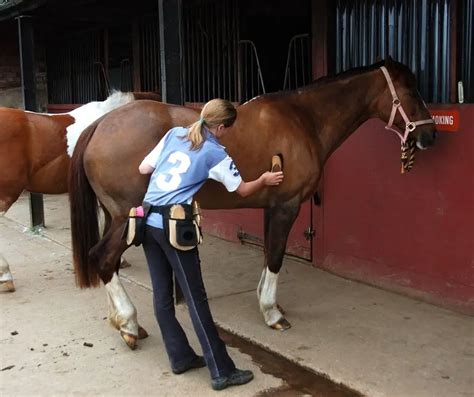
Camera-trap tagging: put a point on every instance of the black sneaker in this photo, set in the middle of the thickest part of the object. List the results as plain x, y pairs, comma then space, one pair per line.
237, 377
196, 362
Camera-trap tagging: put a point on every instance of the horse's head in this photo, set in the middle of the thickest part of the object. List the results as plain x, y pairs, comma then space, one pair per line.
401, 105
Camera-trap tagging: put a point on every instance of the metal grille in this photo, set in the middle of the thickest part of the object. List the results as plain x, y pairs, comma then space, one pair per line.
298, 62
150, 66
74, 70
250, 73
466, 15
414, 32
210, 50
126, 75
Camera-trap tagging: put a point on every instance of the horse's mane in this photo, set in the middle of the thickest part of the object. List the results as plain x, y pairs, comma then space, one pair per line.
343, 75
322, 81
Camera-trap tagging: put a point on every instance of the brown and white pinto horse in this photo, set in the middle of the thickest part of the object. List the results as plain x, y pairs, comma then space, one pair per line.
35, 150
305, 126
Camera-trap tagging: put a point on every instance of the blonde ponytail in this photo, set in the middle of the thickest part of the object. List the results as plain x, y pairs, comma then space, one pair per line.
214, 113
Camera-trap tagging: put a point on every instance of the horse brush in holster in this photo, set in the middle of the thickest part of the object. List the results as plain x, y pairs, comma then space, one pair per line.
181, 226
134, 229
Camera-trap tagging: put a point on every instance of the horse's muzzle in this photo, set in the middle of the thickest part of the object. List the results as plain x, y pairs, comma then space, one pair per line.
426, 139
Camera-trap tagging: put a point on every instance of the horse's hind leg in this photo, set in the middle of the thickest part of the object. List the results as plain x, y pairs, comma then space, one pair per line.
106, 220
278, 222
122, 312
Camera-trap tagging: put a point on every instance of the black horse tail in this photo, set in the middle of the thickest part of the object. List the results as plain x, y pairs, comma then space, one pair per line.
84, 214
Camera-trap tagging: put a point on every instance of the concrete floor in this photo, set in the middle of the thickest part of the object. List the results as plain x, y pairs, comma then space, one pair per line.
376, 342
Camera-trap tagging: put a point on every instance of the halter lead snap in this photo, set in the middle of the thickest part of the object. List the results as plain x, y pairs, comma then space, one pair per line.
410, 126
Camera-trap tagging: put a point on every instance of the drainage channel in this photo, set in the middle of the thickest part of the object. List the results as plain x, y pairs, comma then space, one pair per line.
299, 381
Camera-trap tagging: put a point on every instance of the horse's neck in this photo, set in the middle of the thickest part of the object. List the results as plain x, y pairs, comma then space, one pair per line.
338, 108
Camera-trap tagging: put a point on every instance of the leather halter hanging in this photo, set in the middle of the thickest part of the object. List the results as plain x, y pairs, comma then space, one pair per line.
396, 105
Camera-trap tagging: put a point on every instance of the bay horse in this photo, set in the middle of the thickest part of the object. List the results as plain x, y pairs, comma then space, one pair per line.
35, 150
305, 126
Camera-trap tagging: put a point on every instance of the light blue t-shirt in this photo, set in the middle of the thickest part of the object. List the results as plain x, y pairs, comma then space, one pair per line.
180, 172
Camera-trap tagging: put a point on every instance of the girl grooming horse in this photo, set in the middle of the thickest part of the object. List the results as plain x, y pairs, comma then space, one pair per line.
305, 125
180, 164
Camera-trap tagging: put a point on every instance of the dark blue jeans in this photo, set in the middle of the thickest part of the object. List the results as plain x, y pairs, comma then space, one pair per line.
164, 260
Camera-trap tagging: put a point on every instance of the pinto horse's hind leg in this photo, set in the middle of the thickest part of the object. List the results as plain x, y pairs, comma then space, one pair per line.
122, 312
278, 222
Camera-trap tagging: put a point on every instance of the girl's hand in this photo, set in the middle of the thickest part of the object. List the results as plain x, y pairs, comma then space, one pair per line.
272, 178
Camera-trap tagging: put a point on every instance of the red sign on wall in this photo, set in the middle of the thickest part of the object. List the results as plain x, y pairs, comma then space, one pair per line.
446, 119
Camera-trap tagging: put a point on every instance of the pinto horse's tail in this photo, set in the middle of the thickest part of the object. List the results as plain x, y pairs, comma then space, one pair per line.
84, 214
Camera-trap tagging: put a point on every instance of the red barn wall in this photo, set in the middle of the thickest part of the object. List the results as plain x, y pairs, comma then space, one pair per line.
412, 233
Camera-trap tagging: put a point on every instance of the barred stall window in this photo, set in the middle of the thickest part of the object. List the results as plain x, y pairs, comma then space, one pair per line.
414, 32
210, 50
75, 73
150, 65
466, 49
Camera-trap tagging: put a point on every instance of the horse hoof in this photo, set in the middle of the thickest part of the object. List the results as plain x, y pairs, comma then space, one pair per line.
130, 340
281, 325
142, 334
281, 309
8, 286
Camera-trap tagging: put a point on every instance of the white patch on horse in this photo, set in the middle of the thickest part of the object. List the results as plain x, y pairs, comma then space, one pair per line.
267, 297
90, 112
125, 314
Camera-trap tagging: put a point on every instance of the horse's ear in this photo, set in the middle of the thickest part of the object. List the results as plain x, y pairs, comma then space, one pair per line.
378, 59
388, 60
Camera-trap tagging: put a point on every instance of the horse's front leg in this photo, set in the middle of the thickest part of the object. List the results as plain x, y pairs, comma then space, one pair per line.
278, 223
6, 278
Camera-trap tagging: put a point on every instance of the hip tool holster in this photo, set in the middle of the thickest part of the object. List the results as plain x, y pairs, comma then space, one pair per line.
181, 223
134, 230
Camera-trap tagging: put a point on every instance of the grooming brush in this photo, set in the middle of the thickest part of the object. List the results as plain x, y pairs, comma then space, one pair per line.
276, 163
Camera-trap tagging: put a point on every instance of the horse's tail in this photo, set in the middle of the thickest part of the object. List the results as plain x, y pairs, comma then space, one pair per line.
84, 214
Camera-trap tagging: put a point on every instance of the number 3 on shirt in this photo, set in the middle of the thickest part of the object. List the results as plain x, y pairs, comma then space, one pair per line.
167, 183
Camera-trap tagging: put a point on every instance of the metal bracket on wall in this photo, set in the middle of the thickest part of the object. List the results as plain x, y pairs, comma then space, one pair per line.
309, 233
248, 238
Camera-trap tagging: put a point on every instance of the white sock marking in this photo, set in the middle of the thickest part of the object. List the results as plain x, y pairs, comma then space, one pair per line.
125, 313
267, 300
